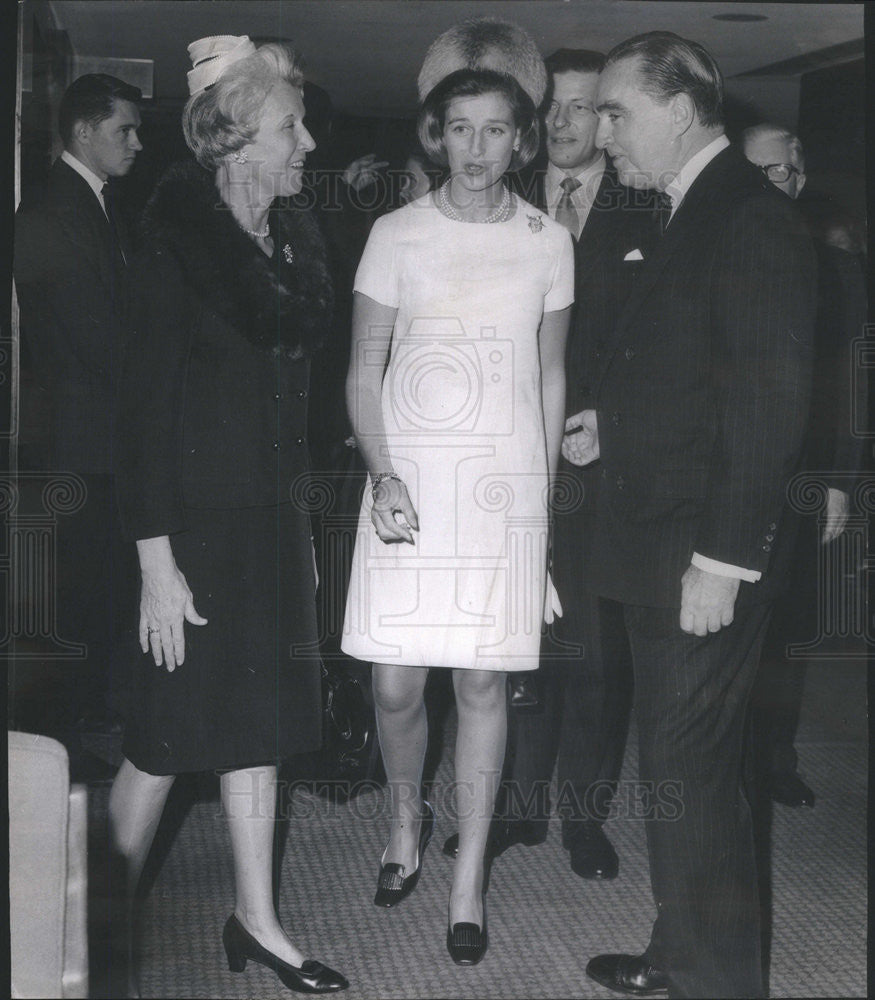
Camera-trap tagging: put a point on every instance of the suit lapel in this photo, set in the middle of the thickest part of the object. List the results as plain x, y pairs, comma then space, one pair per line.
702, 199
87, 224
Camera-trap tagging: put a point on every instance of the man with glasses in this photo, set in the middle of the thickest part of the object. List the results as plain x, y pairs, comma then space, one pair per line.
778, 153
831, 450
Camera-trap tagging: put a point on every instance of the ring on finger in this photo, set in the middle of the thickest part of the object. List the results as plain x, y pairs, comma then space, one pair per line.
152, 631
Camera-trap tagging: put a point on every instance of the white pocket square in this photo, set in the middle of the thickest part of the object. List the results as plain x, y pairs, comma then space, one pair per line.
634, 255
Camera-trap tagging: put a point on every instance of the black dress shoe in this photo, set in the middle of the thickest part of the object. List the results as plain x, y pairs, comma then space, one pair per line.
630, 974
789, 789
592, 855
466, 942
311, 977
524, 692
392, 885
504, 834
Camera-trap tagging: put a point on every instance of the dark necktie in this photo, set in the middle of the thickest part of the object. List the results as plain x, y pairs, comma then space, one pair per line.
566, 212
662, 212
115, 221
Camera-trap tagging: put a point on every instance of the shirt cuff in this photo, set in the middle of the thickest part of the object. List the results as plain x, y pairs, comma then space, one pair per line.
724, 569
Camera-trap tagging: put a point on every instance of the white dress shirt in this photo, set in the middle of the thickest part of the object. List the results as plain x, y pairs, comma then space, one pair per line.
683, 179
582, 198
88, 175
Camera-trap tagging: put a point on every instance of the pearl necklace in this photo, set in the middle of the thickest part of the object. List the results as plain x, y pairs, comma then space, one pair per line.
256, 233
498, 215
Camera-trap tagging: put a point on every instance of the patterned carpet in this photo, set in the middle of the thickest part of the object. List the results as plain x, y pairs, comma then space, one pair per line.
544, 922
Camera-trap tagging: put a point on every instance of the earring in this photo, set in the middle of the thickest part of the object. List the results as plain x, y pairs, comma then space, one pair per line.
241, 156
516, 148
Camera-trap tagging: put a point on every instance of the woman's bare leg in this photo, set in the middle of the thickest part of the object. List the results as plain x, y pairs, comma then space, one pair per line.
481, 702
249, 800
136, 802
403, 730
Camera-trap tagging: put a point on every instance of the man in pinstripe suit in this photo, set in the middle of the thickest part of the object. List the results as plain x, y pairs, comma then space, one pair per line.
698, 408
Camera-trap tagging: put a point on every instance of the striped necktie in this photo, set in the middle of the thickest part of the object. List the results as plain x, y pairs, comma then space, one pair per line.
566, 212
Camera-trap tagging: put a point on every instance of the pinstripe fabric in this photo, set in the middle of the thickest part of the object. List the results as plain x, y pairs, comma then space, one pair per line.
690, 702
702, 394
702, 391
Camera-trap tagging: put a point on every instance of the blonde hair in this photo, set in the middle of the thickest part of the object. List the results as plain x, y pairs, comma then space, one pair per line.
225, 117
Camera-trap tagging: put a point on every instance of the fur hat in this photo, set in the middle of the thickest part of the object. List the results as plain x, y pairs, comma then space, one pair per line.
485, 43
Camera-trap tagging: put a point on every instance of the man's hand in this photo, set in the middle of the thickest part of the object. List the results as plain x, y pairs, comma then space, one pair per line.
707, 601
363, 171
837, 508
581, 445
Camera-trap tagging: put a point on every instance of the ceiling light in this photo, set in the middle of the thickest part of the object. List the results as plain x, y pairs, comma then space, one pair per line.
739, 18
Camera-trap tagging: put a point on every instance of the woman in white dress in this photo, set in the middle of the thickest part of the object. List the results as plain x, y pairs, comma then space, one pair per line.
456, 395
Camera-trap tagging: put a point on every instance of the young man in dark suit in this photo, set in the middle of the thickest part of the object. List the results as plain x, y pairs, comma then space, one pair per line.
697, 412
584, 682
71, 277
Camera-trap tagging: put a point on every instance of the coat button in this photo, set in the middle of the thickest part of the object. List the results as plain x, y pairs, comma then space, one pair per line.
630, 353
616, 419
299, 441
772, 526
767, 548
276, 445
621, 483
302, 394
276, 395
770, 538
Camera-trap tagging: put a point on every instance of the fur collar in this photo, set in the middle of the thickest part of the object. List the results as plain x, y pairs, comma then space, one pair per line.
273, 305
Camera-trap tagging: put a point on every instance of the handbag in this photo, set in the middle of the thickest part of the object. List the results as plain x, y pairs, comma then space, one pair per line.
350, 759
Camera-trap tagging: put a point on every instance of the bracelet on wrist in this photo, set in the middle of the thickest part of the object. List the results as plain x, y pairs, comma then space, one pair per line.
380, 478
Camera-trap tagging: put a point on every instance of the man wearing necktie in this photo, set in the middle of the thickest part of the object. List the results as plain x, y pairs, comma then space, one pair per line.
576, 706
71, 279
584, 683
698, 411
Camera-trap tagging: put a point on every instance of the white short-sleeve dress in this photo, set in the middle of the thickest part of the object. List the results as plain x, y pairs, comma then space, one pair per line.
464, 423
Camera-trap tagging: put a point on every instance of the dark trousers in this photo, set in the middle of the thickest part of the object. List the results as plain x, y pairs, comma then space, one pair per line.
584, 686
691, 700
777, 695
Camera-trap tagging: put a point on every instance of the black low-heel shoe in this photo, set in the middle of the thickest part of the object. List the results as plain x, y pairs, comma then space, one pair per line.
311, 977
392, 885
467, 943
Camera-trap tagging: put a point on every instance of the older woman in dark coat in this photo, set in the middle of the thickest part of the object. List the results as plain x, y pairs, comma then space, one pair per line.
232, 295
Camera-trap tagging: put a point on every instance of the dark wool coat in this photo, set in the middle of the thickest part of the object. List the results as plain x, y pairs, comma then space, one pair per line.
214, 390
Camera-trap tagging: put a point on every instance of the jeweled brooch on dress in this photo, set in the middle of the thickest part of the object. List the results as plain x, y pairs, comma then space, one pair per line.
288, 254
536, 223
